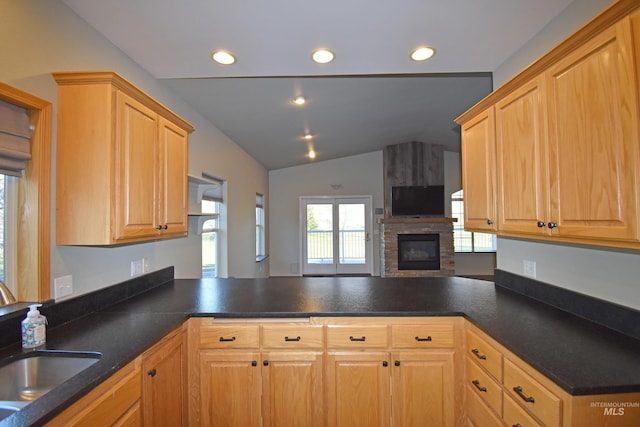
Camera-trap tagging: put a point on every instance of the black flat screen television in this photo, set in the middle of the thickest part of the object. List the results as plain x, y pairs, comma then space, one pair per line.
418, 201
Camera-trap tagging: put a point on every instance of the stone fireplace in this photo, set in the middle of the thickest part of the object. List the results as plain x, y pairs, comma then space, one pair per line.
417, 247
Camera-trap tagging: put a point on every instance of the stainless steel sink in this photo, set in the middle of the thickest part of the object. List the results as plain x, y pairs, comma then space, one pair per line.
27, 376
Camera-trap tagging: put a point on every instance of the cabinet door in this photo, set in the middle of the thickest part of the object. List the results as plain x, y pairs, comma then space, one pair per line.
229, 388
172, 179
593, 120
163, 384
292, 389
135, 164
358, 389
423, 389
521, 160
478, 172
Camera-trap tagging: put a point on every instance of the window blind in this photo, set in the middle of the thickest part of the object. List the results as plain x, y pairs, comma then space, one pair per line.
15, 137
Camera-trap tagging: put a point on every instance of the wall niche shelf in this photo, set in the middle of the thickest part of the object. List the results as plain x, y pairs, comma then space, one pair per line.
198, 188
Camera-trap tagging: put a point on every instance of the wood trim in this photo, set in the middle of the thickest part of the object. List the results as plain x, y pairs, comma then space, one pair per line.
35, 200
614, 13
116, 80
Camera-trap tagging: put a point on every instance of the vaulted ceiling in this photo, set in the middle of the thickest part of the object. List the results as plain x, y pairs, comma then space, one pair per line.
370, 96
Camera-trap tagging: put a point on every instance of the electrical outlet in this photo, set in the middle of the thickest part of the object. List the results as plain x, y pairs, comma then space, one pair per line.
63, 286
145, 265
529, 268
137, 267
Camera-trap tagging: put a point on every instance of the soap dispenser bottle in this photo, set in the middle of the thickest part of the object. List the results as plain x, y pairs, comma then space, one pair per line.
34, 332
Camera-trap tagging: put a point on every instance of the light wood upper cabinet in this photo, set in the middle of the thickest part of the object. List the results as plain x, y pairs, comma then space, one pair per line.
567, 141
121, 163
593, 144
478, 176
521, 137
174, 169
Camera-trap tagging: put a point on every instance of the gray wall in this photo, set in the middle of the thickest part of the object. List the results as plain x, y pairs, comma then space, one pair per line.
41, 36
608, 274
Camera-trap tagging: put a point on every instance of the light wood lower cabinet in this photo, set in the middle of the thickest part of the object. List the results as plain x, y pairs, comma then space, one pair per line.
326, 371
500, 386
164, 382
423, 389
115, 402
292, 389
256, 373
358, 392
229, 391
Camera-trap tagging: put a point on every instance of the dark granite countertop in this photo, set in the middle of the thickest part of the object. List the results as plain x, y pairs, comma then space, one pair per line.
580, 356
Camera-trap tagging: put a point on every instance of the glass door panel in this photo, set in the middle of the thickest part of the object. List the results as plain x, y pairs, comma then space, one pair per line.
335, 235
320, 233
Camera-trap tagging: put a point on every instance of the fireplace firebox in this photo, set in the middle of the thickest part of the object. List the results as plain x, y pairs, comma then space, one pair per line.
418, 252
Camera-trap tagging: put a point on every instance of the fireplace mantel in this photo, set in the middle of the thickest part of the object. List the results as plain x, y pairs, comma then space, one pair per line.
413, 220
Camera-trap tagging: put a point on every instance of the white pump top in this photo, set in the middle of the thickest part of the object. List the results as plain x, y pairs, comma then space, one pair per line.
33, 310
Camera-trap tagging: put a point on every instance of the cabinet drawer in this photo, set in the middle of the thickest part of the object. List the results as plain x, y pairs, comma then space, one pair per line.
354, 336
484, 386
422, 336
514, 415
531, 395
110, 403
478, 413
485, 355
230, 336
292, 336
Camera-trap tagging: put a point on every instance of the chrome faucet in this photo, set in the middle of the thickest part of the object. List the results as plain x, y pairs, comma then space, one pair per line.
6, 297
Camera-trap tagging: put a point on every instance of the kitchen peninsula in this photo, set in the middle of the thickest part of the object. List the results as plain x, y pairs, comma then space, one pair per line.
579, 356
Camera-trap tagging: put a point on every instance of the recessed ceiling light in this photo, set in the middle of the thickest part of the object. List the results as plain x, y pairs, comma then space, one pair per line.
323, 56
223, 57
422, 53
299, 100
312, 154
307, 136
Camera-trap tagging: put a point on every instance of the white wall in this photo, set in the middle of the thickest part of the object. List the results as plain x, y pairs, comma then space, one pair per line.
359, 175
608, 274
38, 37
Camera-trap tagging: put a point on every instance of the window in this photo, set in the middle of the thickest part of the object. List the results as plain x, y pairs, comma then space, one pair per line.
468, 241
210, 238
8, 222
260, 228
212, 208
3, 221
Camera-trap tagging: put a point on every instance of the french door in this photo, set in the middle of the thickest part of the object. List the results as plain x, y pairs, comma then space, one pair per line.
336, 235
